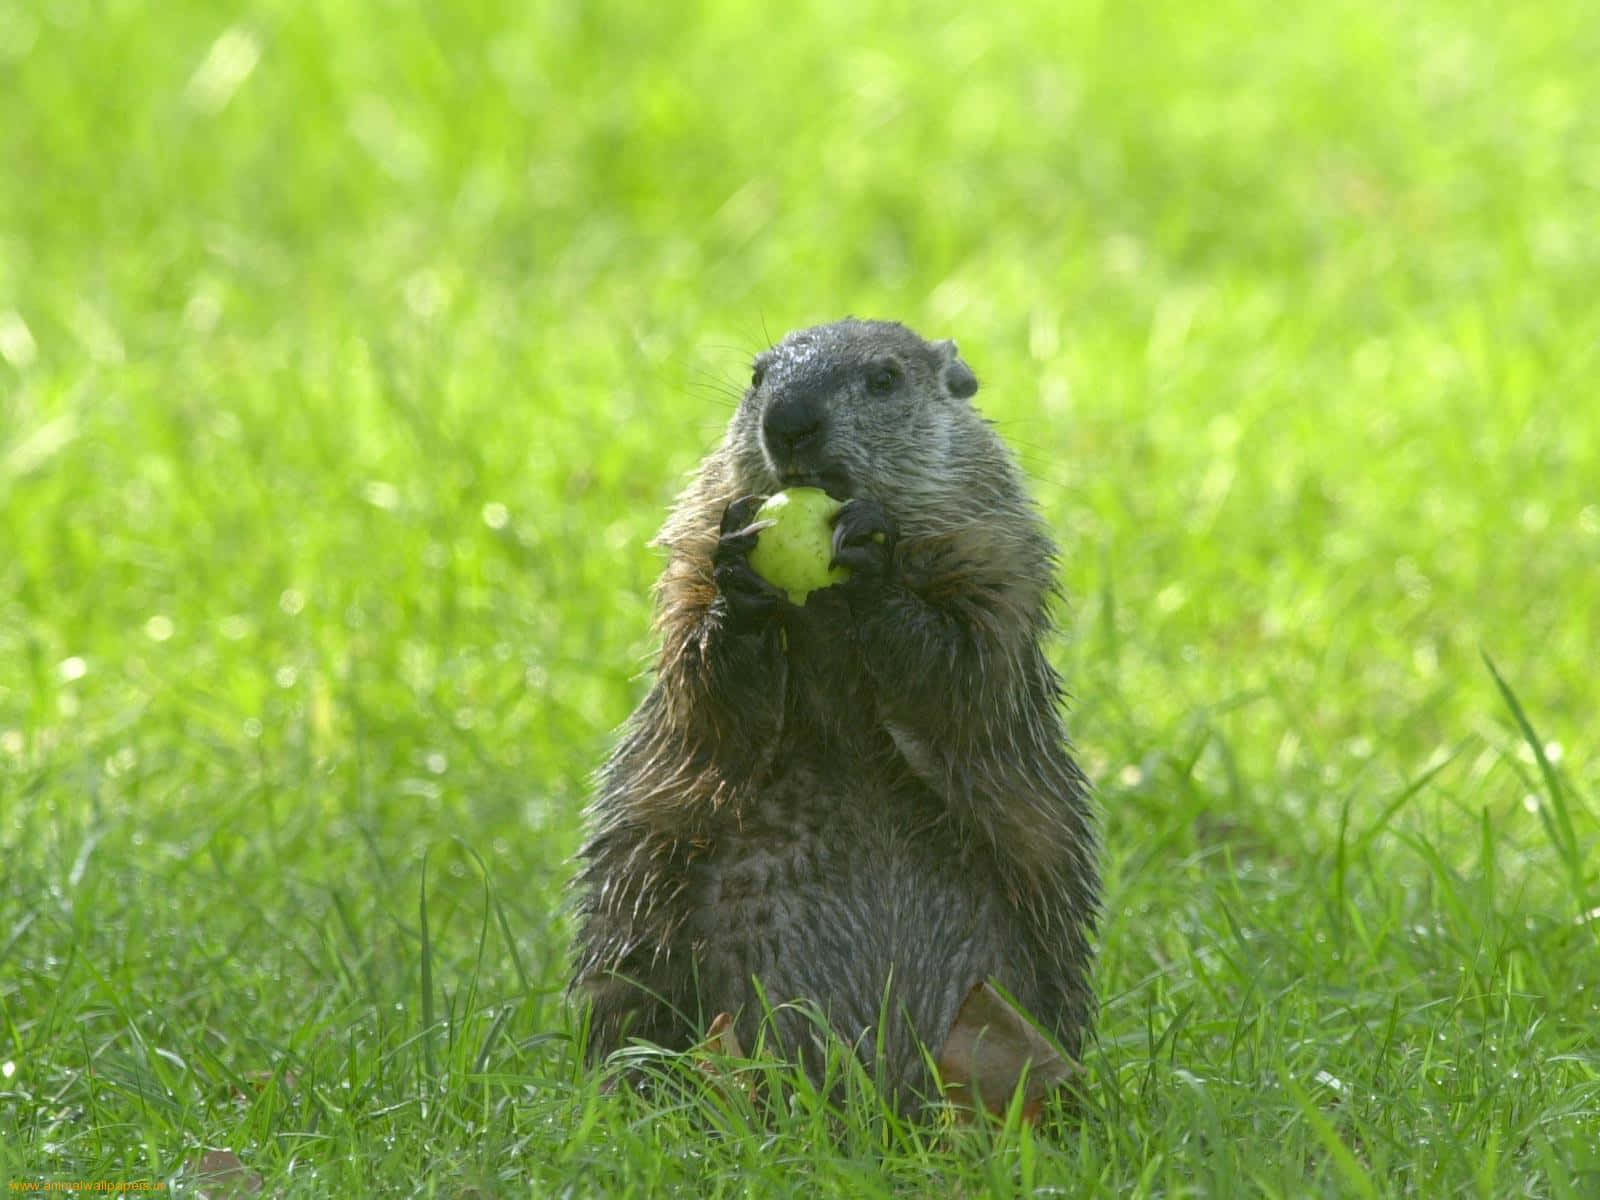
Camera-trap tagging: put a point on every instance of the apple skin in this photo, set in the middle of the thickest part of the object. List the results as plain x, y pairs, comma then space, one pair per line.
794, 550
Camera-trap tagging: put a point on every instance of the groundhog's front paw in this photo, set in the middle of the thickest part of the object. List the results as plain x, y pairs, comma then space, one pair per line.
863, 540
744, 596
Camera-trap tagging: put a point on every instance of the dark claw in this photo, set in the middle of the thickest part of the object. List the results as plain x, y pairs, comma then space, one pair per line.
863, 540
747, 598
740, 513
739, 531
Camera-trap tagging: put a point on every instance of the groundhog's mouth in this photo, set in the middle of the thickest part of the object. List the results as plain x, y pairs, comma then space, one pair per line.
835, 483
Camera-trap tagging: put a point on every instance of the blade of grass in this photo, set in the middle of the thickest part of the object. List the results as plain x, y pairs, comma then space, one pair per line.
429, 1065
1358, 1181
1554, 810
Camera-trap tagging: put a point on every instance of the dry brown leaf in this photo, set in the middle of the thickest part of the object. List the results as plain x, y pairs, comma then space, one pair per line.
721, 1038
990, 1046
722, 1041
222, 1175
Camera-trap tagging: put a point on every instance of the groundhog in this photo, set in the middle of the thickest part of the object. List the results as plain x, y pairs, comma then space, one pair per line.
865, 803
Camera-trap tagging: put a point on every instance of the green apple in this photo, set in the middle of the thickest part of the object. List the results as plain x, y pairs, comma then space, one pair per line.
793, 552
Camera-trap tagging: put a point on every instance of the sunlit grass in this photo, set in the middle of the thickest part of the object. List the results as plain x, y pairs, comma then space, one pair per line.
350, 356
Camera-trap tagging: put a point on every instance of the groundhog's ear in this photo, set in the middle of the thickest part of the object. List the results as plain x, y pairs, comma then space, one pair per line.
958, 377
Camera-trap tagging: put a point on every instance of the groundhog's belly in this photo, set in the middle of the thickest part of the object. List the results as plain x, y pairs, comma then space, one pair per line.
861, 906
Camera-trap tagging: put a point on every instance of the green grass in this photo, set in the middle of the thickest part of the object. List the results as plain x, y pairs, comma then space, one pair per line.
350, 355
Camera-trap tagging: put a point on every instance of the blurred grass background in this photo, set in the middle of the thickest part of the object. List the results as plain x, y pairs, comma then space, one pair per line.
350, 354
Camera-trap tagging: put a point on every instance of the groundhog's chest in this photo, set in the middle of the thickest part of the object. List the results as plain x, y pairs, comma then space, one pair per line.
838, 870
831, 705
828, 888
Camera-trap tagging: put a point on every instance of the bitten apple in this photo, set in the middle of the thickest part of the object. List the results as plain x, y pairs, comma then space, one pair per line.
793, 552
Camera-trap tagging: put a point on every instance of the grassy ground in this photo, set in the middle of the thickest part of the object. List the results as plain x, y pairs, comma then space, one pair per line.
350, 355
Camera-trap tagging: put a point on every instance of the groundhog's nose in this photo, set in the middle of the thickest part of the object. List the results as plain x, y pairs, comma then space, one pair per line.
793, 425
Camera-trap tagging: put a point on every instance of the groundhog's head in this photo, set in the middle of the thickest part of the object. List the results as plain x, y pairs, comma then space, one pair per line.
861, 409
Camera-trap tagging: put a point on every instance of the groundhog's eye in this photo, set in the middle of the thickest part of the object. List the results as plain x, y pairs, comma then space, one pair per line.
882, 377
758, 374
